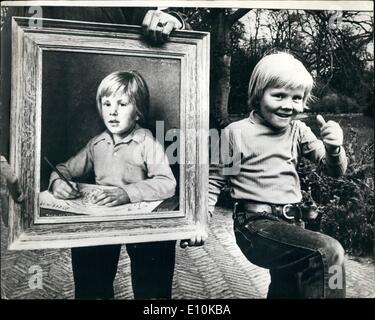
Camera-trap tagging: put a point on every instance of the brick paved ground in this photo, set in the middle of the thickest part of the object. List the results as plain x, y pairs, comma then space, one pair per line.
216, 270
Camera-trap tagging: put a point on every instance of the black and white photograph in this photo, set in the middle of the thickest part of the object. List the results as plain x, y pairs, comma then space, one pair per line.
179, 151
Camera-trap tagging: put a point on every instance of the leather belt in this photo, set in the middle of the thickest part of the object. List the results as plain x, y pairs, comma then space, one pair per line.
287, 211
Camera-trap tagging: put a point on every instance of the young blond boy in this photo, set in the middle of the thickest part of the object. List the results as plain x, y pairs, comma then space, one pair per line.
265, 186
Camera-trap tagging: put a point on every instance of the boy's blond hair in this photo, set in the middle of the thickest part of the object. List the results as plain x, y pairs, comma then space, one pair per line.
279, 70
129, 83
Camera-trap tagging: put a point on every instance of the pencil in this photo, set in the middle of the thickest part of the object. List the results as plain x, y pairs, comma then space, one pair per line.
61, 175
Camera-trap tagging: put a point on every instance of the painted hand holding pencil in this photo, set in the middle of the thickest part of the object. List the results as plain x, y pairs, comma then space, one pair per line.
62, 190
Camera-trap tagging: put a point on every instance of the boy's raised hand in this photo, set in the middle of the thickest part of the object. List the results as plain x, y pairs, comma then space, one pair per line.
112, 197
331, 134
61, 190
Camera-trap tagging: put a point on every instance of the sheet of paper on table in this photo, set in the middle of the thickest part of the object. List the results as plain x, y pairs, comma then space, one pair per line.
85, 205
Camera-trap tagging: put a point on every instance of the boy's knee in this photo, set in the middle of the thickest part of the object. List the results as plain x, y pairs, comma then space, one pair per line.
335, 253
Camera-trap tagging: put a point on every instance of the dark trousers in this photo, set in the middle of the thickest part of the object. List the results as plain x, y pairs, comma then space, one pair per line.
152, 267
302, 263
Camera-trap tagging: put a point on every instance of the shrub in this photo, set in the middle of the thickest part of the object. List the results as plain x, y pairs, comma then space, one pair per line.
346, 204
333, 103
329, 103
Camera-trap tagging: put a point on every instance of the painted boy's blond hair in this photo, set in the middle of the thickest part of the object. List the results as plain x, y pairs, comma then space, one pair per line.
279, 70
130, 83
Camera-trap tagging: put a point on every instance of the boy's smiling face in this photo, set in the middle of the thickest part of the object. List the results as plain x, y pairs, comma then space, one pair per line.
119, 115
279, 106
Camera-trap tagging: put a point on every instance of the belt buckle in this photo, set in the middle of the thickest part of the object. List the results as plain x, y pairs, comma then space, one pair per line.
285, 207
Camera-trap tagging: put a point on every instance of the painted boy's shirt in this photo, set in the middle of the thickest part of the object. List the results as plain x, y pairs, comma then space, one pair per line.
137, 164
265, 160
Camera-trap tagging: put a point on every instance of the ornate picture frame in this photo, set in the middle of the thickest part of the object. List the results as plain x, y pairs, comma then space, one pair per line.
36, 70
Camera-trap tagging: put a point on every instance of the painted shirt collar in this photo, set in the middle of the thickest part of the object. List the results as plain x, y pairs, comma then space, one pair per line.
137, 135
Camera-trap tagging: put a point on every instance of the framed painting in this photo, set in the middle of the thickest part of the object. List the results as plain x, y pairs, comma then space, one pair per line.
56, 70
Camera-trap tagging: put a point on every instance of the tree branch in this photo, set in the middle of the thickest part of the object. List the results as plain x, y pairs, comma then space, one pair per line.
238, 14
361, 25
